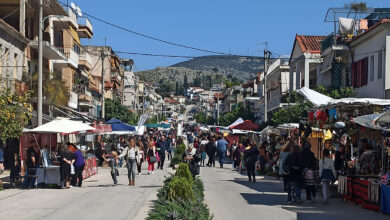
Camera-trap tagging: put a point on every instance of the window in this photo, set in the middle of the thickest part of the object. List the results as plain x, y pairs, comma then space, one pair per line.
372, 68
15, 66
76, 48
359, 75
380, 63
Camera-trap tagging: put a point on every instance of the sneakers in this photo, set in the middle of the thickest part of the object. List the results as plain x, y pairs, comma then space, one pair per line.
149, 172
152, 172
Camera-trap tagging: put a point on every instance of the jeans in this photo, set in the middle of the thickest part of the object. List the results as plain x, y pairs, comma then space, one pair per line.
310, 192
221, 157
161, 162
78, 175
131, 169
325, 190
114, 174
293, 190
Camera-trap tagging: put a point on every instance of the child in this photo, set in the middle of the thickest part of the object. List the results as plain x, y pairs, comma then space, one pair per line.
203, 154
310, 176
328, 174
114, 163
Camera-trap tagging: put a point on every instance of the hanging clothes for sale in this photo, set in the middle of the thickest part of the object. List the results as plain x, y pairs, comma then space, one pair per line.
311, 116
346, 25
332, 114
363, 24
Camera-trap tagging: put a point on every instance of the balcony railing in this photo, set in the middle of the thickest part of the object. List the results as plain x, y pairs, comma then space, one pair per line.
72, 55
85, 22
116, 76
86, 57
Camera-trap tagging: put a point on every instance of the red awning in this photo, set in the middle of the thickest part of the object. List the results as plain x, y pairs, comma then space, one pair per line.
101, 129
247, 125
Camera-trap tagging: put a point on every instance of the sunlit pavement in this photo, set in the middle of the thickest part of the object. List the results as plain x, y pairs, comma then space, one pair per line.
229, 195
97, 199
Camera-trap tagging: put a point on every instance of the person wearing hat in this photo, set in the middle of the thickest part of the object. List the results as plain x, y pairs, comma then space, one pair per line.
79, 164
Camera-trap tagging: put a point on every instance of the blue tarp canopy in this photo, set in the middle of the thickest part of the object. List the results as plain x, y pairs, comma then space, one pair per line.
118, 125
158, 125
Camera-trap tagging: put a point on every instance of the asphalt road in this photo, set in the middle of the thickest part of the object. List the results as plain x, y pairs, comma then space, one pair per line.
230, 196
97, 199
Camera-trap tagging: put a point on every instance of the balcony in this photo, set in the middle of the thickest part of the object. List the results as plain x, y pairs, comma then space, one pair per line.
85, 95
85, 60
66, 21
85, 28
116, 77
49, 51
71, 55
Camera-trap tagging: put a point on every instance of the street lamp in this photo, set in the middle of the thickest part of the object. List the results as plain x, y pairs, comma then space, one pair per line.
40, 57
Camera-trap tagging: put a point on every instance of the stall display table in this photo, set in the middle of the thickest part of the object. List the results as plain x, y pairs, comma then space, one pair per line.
48, 175
363, 192
90, 167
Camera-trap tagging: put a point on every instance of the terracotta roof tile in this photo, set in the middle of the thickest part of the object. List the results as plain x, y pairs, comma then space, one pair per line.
310, 44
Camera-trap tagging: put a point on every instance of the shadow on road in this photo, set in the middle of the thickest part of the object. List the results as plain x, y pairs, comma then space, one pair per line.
270, 193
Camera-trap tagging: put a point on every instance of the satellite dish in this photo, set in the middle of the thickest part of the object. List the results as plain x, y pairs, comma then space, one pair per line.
72, 5
79, 11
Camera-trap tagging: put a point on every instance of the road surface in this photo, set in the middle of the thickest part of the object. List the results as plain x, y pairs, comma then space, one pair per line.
230, 196
97, 199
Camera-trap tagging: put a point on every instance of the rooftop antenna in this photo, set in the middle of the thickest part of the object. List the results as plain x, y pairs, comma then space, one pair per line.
73, 6
79, 11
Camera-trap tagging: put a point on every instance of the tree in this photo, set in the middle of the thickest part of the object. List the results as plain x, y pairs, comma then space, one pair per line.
114, 109
356, 7
15, 112
238, 111
177, 91
185, 85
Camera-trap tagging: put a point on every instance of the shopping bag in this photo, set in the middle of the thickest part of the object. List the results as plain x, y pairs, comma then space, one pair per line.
72, 171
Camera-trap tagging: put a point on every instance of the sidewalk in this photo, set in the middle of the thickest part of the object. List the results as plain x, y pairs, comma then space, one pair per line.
97, 199
229, 195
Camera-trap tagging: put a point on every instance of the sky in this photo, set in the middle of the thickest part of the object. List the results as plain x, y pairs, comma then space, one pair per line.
231, 26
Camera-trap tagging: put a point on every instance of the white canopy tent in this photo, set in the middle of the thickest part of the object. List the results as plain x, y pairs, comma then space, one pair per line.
237, 122
63, 125
314, 97
288, 126
355, 101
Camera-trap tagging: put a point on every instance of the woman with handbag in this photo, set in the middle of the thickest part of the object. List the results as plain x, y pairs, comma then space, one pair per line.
151, 157
327, 174
131, 154
67, 160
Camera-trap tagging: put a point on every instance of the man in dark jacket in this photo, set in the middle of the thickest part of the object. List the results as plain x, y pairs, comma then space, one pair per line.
162, 147
250, 155
211, 149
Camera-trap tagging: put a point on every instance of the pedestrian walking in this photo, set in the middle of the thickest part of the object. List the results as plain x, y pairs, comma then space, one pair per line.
211, 151
141, 156
221, 150
113, 160
79, 164
250, 156
327, 174
67, 160
151, 157
203, 155
283, 171
237, 156
162, 148
293, 175
310, 177
131, 154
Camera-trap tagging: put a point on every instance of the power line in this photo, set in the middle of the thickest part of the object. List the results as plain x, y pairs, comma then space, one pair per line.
149, 37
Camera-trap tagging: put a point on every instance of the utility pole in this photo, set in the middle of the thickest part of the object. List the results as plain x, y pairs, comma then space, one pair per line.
266, 60
40, 61
103, 100
218, 108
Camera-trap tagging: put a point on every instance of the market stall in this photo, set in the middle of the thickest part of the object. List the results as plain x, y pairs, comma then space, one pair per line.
49, 172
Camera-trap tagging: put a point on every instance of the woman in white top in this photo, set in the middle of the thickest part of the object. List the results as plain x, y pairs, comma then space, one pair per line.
132, 156
327, 174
